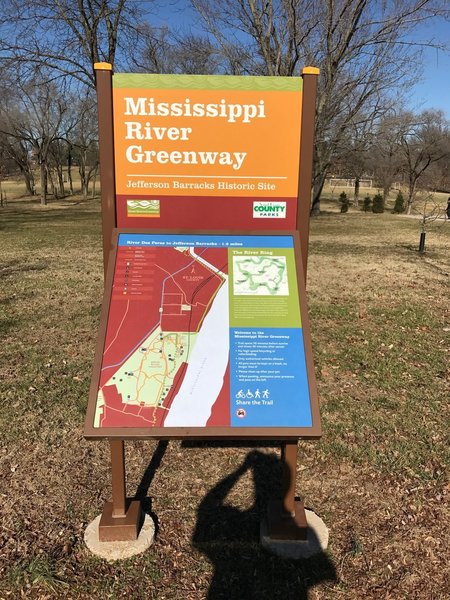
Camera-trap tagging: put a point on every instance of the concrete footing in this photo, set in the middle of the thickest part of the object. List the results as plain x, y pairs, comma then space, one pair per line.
119, 550
316, 541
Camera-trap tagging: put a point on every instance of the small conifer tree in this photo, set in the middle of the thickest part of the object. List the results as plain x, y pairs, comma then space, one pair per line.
378, 204
344, 202
367, 204
399, 205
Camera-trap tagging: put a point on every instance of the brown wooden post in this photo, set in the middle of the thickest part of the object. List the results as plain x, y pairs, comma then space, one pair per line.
289, 476
103, 73
118, 482
310, 75
286, 518
289, 520
120, 518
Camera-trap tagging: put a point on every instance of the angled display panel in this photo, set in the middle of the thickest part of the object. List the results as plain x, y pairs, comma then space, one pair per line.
197, 150
204, 335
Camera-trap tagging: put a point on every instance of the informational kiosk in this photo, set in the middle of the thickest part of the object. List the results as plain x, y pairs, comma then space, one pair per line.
204, 330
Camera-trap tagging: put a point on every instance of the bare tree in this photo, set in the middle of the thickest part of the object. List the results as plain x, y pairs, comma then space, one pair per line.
18, 151
430, 210
386, 158
354, 151
67, 36
163, 51
360, 46
274, 34
33, 118
84, 142
424, 142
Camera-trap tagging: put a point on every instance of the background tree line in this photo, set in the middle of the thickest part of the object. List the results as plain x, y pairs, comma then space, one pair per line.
363, 48
399, 147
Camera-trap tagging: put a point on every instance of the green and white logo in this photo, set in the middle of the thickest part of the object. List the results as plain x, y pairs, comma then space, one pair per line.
269, 210
143, 208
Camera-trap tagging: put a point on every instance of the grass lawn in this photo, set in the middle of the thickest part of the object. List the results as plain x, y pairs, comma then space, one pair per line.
380, 315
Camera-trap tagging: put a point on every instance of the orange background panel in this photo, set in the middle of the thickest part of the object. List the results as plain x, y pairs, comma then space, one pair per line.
271, 143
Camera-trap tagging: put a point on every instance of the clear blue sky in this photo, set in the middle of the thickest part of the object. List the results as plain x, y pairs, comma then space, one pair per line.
432, 89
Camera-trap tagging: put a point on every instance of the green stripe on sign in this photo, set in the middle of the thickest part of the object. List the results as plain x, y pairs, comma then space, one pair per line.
207, 82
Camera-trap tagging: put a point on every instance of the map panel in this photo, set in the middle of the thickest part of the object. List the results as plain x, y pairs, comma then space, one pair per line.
203, 331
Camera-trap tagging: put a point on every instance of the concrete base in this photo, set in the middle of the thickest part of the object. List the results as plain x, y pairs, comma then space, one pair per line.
316, 541
119, 550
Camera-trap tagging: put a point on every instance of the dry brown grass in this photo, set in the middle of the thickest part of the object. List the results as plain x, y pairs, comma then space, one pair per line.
379, 477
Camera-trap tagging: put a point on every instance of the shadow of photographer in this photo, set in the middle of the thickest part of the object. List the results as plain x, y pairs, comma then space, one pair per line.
230, 538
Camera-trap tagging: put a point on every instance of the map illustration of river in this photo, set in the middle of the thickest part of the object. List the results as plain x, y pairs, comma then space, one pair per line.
167, 340
203, 331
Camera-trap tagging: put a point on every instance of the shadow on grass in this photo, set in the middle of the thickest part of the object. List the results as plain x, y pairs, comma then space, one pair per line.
229, 537
12, 220
15, 266
7, 325
147, 478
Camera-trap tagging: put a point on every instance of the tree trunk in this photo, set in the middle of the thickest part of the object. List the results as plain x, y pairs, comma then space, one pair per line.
59, 171
94, 181
52, 184
317, 191
84, 188
69, 170
356, 193
29, 182
411, 195
83, 177
43, 173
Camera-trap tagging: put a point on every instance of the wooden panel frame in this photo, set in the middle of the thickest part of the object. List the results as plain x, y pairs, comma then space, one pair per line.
205, 433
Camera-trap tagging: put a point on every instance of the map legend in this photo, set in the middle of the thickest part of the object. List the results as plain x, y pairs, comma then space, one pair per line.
134, 275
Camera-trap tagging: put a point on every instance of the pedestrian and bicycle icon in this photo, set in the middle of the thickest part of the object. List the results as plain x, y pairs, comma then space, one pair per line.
250, 394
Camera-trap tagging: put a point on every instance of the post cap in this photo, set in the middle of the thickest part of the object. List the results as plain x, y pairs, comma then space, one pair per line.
311, 71
103, 66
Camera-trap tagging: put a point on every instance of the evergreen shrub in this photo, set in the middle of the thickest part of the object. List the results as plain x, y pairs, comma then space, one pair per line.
344, 202
378, 204
399, 205
367, 204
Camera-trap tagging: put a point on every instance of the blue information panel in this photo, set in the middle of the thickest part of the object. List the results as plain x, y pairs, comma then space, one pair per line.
268, 370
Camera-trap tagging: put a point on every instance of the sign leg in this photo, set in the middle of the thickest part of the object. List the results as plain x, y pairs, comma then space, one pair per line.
286, 517
118, 483
121, 518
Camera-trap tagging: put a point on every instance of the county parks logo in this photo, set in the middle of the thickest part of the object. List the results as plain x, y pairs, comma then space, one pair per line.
269, 210
143, 208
